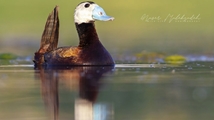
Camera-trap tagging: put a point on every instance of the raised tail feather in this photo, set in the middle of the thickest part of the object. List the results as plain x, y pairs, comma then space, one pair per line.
50, 36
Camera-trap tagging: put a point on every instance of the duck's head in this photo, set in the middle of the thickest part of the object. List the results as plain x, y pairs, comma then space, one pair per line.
88, 11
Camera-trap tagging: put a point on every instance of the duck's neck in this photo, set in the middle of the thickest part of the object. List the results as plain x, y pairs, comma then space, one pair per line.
87, 34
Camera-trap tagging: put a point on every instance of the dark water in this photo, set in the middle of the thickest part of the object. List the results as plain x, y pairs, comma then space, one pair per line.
126, 92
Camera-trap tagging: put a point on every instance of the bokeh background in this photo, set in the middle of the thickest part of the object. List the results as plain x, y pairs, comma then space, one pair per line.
183, 93
22, 23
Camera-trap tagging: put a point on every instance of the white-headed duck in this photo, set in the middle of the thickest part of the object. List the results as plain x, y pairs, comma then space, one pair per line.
90, 50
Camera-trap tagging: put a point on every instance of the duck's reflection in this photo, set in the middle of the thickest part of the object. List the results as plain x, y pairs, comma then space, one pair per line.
87, 80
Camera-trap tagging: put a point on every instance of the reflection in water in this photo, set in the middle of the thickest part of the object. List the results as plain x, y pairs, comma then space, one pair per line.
86, 79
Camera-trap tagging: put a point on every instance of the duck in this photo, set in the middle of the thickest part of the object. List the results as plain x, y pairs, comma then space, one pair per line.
89, 52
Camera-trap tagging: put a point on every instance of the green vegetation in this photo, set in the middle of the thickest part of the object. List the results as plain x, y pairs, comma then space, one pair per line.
149, 57
7, 56
138, 25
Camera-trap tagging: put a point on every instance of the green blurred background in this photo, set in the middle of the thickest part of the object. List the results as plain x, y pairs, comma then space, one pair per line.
22, 23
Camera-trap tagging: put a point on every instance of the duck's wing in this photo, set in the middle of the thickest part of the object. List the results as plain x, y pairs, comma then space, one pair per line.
49, 40
64, 56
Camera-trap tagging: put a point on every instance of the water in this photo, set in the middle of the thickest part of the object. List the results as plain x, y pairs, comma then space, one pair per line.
126, 92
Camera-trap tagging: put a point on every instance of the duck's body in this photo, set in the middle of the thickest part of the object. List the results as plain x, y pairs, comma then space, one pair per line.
90, 50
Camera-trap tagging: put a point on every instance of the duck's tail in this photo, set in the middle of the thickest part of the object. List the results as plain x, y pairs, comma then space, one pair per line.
49, 38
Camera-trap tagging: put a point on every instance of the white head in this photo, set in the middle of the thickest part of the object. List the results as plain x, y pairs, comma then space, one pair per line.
87, 12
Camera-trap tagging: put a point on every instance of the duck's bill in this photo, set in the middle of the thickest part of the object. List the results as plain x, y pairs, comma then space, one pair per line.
99, 14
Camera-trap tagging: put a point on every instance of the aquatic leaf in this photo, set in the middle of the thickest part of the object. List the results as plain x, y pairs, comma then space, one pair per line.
175, 59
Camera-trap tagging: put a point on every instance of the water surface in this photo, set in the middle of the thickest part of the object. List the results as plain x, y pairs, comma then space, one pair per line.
123, 92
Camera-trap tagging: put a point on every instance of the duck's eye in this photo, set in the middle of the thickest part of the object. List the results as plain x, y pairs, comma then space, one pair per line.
87, 5
101, 13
